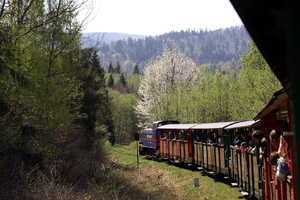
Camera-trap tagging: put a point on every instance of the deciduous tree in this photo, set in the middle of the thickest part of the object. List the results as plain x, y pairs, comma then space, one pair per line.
160, 83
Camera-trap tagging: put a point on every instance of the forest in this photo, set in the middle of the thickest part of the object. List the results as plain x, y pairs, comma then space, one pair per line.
62, 106
221, 49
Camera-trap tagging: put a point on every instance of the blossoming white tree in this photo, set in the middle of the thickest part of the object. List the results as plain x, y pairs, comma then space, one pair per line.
164, 85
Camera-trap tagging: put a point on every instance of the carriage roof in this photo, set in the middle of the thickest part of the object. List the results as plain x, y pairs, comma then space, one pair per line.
216, 125
243, 124
177, 126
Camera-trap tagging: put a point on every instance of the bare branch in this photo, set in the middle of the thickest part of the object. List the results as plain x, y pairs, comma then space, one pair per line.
53, 39
2, 8
26, 10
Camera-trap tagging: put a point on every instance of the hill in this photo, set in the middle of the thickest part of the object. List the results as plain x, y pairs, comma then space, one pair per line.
98, 38
220, 49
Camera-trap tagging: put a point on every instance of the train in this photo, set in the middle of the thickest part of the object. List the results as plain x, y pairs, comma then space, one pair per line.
150, 139
210, 146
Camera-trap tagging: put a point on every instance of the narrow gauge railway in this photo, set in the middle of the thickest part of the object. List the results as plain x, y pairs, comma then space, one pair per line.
211, 147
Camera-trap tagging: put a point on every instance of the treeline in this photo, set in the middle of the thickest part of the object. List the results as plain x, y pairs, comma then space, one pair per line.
221, 49
55, 115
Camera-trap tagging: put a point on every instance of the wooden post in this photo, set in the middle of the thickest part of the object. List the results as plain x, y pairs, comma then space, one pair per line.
137, 138
137, 152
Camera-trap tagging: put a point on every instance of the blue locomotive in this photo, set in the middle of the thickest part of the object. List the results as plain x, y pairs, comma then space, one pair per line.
150, 139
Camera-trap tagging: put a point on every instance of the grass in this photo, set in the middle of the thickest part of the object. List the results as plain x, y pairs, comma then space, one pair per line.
168, 181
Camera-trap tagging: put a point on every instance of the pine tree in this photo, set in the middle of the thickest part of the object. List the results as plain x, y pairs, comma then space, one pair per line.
110, 67
111, 81
136, 69
96, 103
118, 68
123, 80
97, 66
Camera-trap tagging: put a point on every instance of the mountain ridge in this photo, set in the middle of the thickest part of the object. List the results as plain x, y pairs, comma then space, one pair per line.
89, 38
220, 49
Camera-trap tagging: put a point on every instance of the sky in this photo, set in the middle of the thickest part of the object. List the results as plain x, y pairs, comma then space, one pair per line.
155, 17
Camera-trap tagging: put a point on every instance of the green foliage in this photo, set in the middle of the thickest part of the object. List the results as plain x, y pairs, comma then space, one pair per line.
111, 81
124, 116
123, 80
54, 105
110, 67
136, 69
257, 82
95, 99
117, 69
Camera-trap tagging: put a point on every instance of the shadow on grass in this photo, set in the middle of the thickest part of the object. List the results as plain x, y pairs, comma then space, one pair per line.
125, 182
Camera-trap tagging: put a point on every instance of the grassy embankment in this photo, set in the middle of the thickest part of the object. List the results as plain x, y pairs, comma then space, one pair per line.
160, 180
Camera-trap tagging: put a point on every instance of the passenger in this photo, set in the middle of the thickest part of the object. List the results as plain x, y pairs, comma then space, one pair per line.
275, 135
197, 139
251, 145
180, 136
244, 147
213, 137
237, 141
175, 137
247, 138
261, 144
170, 135
274, 158
217, 138
220, 138
165, 136
275, 138
208, 140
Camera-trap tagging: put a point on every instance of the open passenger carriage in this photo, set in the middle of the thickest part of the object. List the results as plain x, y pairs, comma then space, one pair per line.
210, 144
176, 142
245, 166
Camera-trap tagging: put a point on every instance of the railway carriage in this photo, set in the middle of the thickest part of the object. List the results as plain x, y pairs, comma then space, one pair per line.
210, 154
245, 167
176, 142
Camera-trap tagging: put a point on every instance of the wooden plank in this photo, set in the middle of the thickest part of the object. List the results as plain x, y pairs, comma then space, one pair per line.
196, 153
217, 164
256, 177
201, 154
178, 150
186, 150
205, 164
209, 164
182, 151
222, 158
244, 170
